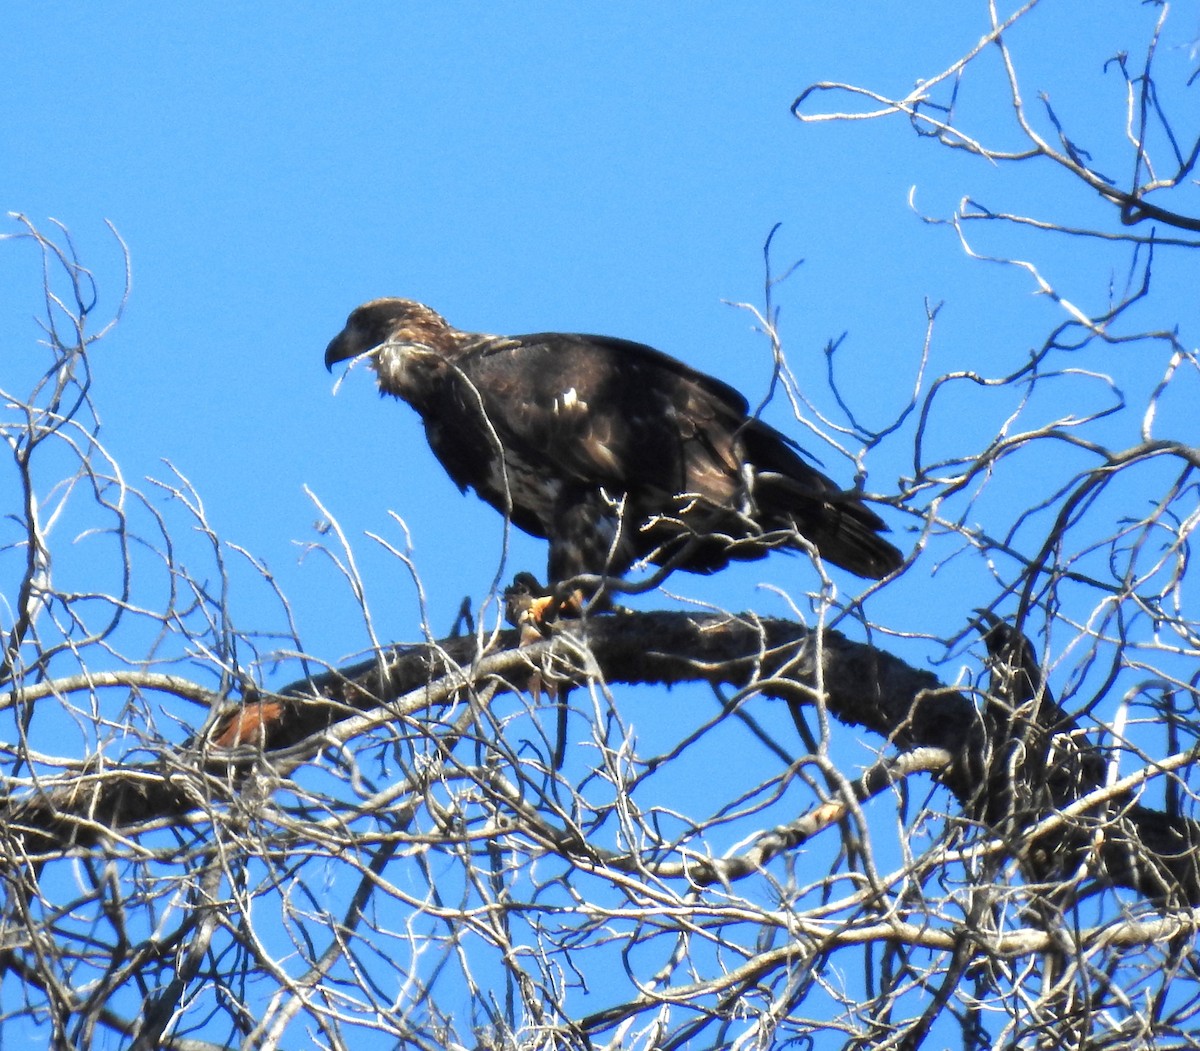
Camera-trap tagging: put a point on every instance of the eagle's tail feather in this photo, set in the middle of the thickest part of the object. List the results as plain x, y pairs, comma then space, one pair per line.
838, 524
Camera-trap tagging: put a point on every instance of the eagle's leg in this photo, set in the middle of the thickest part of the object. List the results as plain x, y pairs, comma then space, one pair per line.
587, 538
528, 607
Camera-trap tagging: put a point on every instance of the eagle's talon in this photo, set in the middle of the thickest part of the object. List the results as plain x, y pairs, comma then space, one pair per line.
533, 608
545, 610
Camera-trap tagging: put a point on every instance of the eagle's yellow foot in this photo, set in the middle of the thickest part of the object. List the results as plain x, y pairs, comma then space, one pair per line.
532, 608
546, 609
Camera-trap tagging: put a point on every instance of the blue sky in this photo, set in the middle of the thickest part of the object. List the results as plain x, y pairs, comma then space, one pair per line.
609, 168
606, 168
566, 169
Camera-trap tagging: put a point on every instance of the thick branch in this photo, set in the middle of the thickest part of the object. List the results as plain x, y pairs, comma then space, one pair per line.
859, 685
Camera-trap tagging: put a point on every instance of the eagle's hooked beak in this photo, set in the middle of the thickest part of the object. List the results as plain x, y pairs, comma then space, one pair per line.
338, 350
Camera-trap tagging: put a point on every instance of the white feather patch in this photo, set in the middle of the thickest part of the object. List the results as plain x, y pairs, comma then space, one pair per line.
569, 401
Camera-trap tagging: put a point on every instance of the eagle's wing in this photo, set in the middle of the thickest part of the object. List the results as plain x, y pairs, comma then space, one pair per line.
603, 412
610, 412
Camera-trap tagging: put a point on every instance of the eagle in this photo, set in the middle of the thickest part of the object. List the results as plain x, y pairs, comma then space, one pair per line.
612, 451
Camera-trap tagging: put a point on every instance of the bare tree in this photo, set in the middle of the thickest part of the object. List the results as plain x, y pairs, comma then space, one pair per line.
213, 838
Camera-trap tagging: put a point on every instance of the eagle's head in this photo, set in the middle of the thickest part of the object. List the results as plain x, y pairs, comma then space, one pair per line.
407, 344
400, 321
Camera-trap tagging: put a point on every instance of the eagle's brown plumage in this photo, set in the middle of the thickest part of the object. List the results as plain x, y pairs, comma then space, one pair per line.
611, 450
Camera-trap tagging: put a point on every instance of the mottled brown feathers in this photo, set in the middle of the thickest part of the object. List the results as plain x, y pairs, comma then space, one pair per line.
611, 450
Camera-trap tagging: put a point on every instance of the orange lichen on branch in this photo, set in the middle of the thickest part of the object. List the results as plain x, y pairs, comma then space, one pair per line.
251, 724
826, 814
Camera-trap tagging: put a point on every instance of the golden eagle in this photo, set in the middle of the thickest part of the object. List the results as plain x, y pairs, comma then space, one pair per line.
611, 450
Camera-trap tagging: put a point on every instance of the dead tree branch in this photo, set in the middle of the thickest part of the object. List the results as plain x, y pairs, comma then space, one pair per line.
1133, 846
